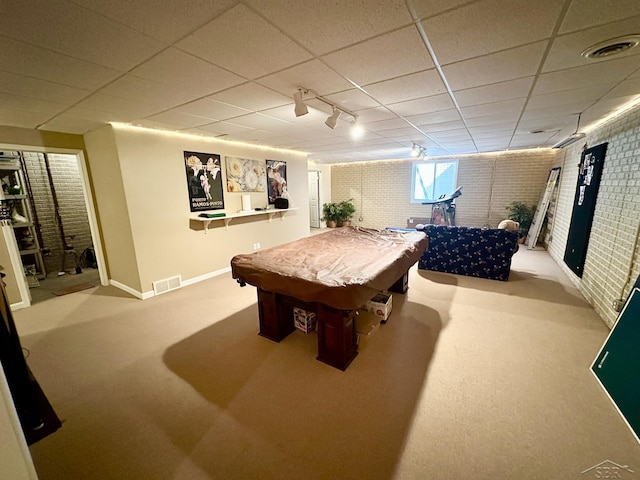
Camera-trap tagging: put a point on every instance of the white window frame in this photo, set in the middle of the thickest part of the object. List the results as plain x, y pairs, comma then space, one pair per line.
414, 168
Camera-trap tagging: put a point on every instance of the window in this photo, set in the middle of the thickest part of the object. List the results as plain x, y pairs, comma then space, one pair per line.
431, 180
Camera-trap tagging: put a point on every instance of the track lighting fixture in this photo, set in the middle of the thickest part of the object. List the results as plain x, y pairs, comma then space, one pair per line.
333, 118
418, 151
301, 108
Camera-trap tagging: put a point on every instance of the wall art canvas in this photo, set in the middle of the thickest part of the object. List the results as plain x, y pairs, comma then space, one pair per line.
244, 175
277, 174
204, 181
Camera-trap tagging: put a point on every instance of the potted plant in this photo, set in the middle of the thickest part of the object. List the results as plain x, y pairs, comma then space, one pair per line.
523, 214
331, 214
346, 209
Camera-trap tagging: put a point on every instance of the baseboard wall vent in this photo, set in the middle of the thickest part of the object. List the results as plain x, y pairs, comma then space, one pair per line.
166, 285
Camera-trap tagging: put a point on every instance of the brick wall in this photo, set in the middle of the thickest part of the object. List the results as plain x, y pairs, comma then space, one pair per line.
382, 190
68, 187
611, 265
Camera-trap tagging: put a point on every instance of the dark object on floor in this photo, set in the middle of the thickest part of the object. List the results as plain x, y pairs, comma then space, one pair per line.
476, 252
35, 413
74, 288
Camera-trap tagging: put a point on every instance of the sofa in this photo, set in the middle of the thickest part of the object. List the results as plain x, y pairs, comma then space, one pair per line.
476, 252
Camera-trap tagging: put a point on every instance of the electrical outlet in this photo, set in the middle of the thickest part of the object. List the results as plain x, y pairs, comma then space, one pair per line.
618, 304
256, 246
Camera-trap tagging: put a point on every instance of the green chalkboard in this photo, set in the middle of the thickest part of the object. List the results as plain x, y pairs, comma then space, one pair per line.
617, 366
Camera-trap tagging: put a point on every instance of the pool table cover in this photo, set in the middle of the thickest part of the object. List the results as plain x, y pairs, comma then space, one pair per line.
341, 268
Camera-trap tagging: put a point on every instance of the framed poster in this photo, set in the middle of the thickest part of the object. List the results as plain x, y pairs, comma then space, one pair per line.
204, 181
584, 205
277, 174
244, 175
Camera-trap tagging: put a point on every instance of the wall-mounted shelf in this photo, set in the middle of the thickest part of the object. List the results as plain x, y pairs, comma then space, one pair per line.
253, 213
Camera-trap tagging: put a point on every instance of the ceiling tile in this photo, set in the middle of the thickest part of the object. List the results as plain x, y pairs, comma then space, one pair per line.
495, 92
136, 88
29, 60
180, 119
67, 124
243, 42
589, 13
462, 33
36, 88
252, 96
592, 92
28, 104
192, 74
329, 26
431, 8
313, 75
566, 50
22, 118
434, 117
435, 103
207, 107
408, 87
124, 106
388, 56
497, 67
65, 27
374, 114
507, 107
587, 75
166, 21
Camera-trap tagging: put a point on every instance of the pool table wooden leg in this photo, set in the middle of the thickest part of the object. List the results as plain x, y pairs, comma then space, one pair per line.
337, 340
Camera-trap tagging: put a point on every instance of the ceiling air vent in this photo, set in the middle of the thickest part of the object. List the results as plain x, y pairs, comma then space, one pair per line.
611, 47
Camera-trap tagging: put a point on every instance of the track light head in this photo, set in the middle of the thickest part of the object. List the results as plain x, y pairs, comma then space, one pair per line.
418, 151
300, 108
333, 118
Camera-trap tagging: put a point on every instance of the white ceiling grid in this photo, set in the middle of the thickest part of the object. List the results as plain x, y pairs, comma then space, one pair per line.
455, 76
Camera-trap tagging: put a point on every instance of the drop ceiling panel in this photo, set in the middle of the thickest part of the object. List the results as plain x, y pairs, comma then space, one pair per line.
434, 103
238, 64
243, 42
497, 67
495, 92
29, 60
166, 21
207, 107
328, 26
313, 75
566, 50
589, 13
578, 77
462, 33
405, 88
191, 74
65, 27
41, 89
253, 97
388, 56
180, 119
513, 107
139, 89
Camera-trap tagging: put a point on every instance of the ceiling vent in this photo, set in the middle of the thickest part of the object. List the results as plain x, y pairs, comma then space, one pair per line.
611, 47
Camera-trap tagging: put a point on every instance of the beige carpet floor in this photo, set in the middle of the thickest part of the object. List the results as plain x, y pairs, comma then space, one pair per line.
469, 379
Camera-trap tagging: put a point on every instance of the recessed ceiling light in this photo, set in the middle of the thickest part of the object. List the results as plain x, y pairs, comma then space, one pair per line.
611, 47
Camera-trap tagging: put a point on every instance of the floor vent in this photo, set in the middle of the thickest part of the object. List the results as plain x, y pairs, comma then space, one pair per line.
166, 285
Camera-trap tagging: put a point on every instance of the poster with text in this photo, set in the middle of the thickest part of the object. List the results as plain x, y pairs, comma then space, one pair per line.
204, 181
277, 174
244, 175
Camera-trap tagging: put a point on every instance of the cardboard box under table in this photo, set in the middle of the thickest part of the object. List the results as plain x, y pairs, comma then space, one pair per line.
380, 305
331, 274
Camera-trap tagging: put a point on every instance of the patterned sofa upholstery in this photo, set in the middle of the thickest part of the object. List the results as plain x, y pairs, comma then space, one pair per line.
477, 252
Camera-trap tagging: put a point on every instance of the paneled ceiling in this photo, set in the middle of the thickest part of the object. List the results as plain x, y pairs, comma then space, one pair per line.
452, 76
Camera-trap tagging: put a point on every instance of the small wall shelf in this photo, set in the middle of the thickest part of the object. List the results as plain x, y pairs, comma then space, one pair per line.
253, 213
